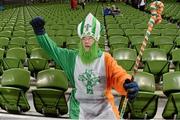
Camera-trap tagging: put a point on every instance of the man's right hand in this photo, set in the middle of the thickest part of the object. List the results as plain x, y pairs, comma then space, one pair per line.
38, 25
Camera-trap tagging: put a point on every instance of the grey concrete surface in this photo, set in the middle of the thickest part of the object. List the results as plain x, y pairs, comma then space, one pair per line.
32, 114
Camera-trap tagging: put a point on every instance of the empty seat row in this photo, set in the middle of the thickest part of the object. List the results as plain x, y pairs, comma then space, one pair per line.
48, 97
49, 94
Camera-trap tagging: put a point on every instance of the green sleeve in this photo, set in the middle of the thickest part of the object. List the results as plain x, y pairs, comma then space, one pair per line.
62, 56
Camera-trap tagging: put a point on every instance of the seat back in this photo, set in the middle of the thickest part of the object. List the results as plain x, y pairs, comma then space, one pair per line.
118, 42
4, 42
155, 62
171, 82
17, 42
16, 77
73, 42
39, 53
12, 53
136, 42
52, 78
171, 88
146, 103
176, 59
164, 42
49, 98
15, 82
125, 57
145, 81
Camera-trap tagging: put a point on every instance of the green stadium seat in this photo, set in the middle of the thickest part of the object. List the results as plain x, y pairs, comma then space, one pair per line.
146, 103
169, 32
176, 59
38, 61
171, 88
73, 42
62, 32
19, 26
118, 42
136, 42
4, 41
177, 42
30, 33
164, 42
14, 60
141, 26
19, 33
8, 28
127, 26
14, 85
49, 98
135, 32
125, 57
112, 26
101, 42
155, 62
17, 42
31, 44
60, 40
1, 60
112, 32
5, 34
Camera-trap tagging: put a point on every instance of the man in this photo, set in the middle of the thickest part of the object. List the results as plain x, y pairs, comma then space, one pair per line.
92, 73
142, 5
135, 3
82, 4
73, 4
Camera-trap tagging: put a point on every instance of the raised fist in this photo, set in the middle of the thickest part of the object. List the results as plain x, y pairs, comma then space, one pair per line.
38, 25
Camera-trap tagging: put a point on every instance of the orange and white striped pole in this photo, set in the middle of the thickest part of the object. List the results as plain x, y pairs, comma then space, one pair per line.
156, 9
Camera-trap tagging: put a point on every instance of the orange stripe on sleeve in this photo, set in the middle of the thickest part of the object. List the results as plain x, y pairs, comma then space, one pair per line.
116, 76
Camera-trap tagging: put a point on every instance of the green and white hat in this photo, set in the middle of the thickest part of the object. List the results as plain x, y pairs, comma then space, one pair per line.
89, 27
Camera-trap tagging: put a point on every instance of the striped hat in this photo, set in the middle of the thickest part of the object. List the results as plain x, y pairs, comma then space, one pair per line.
89, 27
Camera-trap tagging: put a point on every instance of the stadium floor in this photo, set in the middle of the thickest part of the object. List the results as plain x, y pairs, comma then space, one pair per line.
32, 114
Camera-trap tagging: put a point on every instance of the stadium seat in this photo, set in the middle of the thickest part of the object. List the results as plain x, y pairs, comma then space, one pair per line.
177, 42
136, 42
171, 88
49, 98
19, 26
14, 85
6, 33
31, 44
1, 60
112, 32
4, 41
14, 60
176, 59
60, 40
145, 104
73, 42
127, 26
155, 62
134, 32
169, 32
38, 61
125, 57
113, 26
164, 42
62, 32
17, 42
19, 33
118, 42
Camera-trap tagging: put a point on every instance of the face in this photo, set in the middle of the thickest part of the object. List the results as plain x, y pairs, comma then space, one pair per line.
87, 42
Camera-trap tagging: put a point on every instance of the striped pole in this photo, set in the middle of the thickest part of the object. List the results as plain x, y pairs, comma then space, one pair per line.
156, 9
